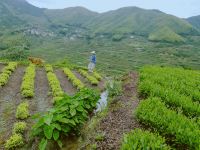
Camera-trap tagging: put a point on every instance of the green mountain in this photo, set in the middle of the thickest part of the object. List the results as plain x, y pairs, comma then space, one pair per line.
137, 20
195, 21
80, 21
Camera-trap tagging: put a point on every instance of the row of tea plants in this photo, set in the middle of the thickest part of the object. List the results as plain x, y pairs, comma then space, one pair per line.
6, 73
27, 87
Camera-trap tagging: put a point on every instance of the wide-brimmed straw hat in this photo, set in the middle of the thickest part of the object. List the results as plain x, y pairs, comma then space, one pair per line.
93, 52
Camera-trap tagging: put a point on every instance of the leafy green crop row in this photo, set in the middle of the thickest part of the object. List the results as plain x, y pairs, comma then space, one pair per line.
22, 111
154, 113
143, 140
54, 83
171, 97
68, 115
48, 68
97, 76
6, 72
185, 82
76, 82
90, 78
16, 139
27, 88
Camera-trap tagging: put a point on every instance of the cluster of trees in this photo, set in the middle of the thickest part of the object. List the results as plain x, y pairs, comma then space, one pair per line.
14, 48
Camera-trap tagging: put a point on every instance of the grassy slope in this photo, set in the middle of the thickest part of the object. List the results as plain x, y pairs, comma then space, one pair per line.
123, 56
133, 19
195, 21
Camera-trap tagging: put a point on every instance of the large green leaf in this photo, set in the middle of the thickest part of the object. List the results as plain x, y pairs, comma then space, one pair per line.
64, 120
73, 112
43, 144
57, 126
56, 134
48, 131
48, 119
59, 143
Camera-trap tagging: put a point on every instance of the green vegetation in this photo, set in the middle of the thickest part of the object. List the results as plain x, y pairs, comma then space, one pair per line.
55, 38
68, 115
27, 87
185, 131
114, 88
14, 142
48, 68
22, 111
165, 34
56, 89
157, 81
97, 76
6, 72
138, 139
19, 127
75, 81
90, 78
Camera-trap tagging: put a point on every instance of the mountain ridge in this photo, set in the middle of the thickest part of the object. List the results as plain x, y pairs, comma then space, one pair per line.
115, 22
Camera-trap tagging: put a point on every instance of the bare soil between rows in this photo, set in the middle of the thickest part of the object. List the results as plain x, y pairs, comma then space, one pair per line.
9, 99
66, 85
120, 118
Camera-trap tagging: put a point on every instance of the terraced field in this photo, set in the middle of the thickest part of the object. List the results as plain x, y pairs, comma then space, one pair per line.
170, 110
26, 90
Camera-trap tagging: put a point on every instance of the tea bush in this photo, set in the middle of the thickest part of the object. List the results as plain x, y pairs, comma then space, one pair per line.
143, 140
27, 87
6, 72
76, 82
90, 78
15, 141
154, 113
22, 111
19, 127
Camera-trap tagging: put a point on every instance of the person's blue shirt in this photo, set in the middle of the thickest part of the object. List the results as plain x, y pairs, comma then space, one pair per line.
93, 59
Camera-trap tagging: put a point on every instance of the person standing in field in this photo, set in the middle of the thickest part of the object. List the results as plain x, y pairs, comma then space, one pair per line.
92, 63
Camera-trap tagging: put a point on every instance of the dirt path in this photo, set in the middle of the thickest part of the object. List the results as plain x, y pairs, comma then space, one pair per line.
42, 100
65, 83
9, 99
120, 119
1, 66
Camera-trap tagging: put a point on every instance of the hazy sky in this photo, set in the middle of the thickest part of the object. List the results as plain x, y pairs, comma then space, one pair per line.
181, 8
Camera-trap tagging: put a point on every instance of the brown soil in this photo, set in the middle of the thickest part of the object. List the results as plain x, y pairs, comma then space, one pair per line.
42, 99
1, 67
80, 77
120, 118
9, 99
66, 85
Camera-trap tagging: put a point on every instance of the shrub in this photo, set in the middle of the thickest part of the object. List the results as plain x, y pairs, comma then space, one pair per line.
154, 113
19, 127
15, 141
76, 82
55, 85
48, 68
97, 76
138, 139
114, 88
90, 78
6, 72
27, 87
68, 114
22, 111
